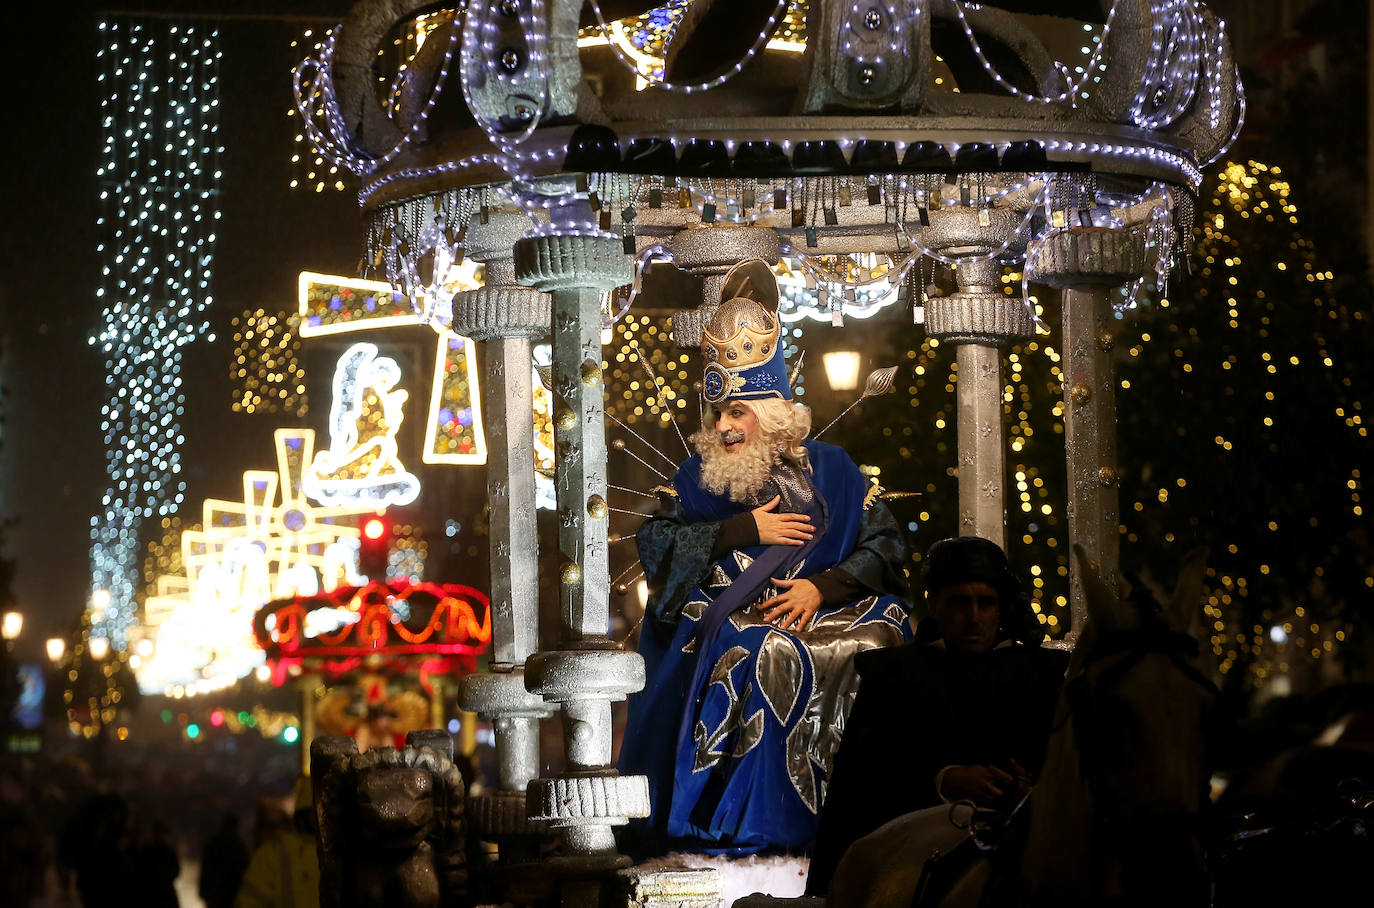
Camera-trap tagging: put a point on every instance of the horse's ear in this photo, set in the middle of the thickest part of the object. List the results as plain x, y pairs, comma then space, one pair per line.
1103, 606
1184, 614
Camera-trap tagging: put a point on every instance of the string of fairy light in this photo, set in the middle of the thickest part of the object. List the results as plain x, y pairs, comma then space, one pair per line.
158, 176
309, 168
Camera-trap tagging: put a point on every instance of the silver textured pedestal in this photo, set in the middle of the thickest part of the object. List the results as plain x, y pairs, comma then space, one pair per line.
587, 671
1085, 265
504, 317
979, 320
711, 252
662, 884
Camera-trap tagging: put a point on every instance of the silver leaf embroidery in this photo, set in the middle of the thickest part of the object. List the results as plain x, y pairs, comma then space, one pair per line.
708, 752
751, 733
778, 673
799, 767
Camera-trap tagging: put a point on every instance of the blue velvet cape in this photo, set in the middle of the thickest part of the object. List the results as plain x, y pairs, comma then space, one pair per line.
739, 721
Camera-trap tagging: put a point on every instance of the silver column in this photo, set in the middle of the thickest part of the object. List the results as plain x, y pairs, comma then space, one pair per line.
1086, 265
504, 317
587, 671
980, 320
1090, 441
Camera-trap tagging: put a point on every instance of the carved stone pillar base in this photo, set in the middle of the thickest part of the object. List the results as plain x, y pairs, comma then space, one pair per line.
591, 797
1087, 256
502, 696
657, 885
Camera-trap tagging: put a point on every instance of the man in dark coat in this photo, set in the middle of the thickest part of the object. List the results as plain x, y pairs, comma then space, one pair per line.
962, 712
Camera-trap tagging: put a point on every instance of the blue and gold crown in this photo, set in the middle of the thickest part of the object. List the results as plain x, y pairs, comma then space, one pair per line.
742, 344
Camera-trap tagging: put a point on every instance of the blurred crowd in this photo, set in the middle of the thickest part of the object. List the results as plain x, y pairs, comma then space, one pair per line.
170, 836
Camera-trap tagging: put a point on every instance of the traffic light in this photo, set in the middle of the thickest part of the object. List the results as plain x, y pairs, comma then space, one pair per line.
372, 548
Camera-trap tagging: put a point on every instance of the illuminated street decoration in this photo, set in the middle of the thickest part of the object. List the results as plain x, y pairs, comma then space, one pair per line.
330, 304
402, 622
362, 464
454, 431
545, 497
197, 634
158, 176
405, 559
631, 395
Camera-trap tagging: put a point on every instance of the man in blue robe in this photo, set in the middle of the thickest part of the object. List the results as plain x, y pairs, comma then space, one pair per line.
771, 562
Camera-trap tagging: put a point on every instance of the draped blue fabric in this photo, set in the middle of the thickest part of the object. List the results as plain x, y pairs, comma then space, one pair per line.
739, 721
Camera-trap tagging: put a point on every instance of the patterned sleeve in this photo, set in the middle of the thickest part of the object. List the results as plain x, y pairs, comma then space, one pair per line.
879, 554
676, 556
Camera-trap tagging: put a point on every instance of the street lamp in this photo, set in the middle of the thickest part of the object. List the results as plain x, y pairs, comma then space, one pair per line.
841, 369
11, 625
57, 648
100, 648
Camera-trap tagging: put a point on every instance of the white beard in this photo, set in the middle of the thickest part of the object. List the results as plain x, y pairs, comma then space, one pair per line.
740, 475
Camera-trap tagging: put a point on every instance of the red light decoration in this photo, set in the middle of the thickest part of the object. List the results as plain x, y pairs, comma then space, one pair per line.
374, 527
425, 627
217, 718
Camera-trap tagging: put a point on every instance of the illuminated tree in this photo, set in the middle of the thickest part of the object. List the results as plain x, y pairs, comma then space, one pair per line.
158, 175
1244, 428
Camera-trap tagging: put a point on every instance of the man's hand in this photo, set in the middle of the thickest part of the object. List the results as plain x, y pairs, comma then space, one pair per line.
796, 604
781, 529
983, 785
1023, 779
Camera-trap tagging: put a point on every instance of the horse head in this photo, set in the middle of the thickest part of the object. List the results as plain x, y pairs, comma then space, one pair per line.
1117, 811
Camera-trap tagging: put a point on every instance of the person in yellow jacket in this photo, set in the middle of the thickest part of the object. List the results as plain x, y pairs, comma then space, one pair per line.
284, 871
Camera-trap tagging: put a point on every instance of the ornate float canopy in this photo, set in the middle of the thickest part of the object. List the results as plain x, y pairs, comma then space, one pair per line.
960, 130
559, 141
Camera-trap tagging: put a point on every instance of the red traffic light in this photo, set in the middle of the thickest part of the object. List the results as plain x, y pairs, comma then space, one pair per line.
373, 546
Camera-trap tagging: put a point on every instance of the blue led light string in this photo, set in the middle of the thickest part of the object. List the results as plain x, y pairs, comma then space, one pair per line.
158, 173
